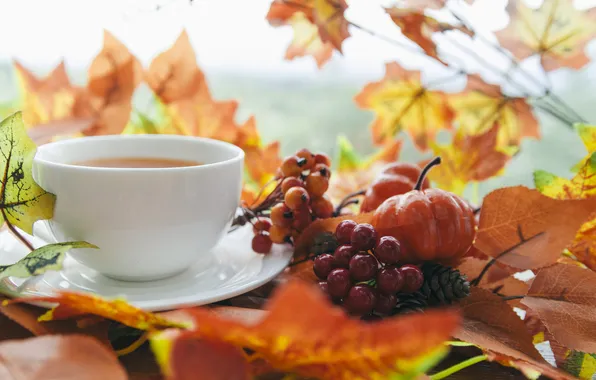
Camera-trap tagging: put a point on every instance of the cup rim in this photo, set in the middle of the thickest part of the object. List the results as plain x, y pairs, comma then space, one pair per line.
239, 152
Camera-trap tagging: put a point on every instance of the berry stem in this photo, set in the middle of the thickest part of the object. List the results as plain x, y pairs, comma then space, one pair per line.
348, 200
458, 367
435, 161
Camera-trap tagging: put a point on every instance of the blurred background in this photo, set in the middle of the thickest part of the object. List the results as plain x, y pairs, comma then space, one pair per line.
242, 57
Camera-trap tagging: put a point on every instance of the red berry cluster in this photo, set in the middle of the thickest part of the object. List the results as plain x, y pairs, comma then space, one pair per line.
303, 182
362, 274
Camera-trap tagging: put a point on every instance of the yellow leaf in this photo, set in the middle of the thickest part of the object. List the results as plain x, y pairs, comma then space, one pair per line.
23, 201
468, 159
581, 186
556, 31
480, 105
400, 102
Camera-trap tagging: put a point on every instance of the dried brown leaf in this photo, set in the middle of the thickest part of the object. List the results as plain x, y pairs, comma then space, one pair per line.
524, 229
564, 298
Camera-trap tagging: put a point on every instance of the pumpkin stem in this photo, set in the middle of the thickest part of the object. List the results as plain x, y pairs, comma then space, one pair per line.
435, 161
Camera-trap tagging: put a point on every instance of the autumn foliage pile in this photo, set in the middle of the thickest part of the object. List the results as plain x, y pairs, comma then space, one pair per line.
529, 254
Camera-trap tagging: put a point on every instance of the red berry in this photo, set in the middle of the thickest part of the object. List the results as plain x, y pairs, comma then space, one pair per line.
343, 231
388, 250
390, 280
261, 225
322, 158
361, 299
323, 170
323, 265
296, 197
363, 267
261, 243
364, 237
342, 256
323, 286
290, 182
339, 283
413, 278
385, 303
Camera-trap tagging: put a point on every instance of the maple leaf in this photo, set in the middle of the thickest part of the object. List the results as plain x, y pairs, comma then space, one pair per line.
307, 41
327, 15
74, 357
401, 102
262, 163
174, 74
587, 133
418, 27
323, 342
22, 201
72, 304
113, 76
468, 159
555, 31
563, 297
481, 105
354, 172
527, 230
581, 186
493, 326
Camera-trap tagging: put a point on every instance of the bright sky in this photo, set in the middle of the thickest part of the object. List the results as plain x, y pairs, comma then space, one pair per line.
228, 34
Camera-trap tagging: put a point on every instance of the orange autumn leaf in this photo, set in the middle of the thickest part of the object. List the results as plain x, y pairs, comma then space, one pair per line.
524, 229
174, 74
491, 324
321, 341
319, 26
581, 186
306, 41
481, 105
401, 102
418, 27
328, 15
71, 304
113, 77
556, 31
75, 357
563, 297
468, 159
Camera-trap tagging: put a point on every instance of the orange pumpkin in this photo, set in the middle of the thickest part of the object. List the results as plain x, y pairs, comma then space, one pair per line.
396, 178
431, 224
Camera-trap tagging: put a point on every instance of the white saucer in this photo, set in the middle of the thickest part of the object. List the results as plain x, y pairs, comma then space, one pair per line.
233, 269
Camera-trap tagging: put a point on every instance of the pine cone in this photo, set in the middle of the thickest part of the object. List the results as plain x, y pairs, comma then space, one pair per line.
324, 242
410, 303
443, 285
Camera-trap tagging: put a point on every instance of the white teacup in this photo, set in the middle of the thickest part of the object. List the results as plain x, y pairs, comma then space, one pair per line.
149, 223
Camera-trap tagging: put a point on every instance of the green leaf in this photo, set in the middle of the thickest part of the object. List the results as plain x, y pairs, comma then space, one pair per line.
347, 158
22, 201
43, 259
542, 179
580, 364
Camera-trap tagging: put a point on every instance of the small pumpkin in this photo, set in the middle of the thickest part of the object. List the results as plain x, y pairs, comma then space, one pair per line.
431, 224
397, 178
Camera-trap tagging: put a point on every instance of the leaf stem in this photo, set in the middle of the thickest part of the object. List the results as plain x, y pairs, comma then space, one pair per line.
134, 345
458, 367
16, 233
492, 262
